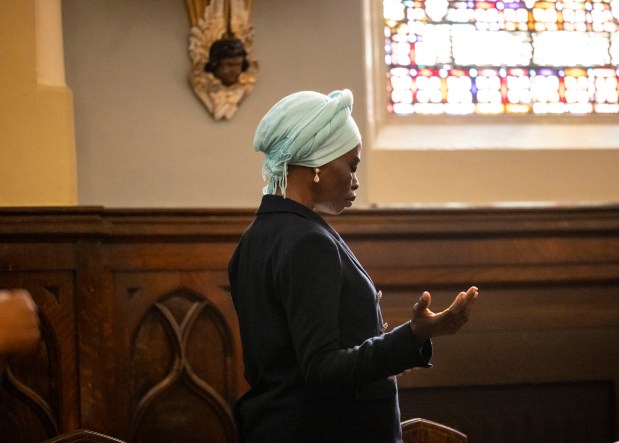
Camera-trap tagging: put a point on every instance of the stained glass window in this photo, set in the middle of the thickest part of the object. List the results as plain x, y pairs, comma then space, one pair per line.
502, 57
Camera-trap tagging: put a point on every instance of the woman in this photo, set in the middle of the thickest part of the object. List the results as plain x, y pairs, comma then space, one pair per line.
320, 365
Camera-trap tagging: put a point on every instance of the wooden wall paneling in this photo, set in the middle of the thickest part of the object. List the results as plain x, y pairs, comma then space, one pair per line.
520, 413
98, 345
39, 394
182, 360
484, 352
149, 300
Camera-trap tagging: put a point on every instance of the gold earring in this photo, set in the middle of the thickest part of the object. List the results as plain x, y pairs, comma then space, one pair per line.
316, 178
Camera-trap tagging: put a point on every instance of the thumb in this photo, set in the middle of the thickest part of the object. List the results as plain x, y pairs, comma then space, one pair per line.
423, 303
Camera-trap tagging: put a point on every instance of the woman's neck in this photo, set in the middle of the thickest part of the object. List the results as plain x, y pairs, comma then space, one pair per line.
299, 183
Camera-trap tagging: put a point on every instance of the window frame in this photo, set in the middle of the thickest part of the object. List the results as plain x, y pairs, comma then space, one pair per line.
457, 132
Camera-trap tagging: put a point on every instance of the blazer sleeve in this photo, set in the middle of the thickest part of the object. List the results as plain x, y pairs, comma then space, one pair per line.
310, 278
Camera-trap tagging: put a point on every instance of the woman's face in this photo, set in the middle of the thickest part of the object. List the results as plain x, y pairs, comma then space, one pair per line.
338, 182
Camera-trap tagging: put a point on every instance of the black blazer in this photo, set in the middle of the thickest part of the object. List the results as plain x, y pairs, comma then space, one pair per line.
319, 366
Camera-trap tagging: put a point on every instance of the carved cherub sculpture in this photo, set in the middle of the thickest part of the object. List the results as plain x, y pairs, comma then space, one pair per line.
227, 60
223, 70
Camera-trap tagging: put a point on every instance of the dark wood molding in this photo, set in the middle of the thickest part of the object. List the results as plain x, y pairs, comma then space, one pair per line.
487, 221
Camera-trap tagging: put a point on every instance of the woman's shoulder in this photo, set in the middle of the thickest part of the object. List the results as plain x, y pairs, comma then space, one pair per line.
293, 229
288, 222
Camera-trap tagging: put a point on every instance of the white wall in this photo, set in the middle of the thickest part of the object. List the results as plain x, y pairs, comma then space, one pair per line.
144, 140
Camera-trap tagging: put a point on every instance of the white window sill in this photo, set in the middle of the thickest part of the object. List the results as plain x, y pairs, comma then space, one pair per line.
496, 136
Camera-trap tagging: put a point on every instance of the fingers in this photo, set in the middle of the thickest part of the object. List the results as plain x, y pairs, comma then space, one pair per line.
472, 292
464, 299
458, 313
470, 297
427, 324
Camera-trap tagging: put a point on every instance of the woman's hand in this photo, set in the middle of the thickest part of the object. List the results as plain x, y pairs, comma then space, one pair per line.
19, 322
426, 324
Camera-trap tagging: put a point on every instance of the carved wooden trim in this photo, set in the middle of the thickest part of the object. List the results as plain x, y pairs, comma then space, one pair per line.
378, 223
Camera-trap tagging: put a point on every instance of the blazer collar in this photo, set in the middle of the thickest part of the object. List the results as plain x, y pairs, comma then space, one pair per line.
272, 204
275, 203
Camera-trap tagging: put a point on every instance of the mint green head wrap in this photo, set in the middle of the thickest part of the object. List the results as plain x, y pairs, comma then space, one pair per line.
305, 128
